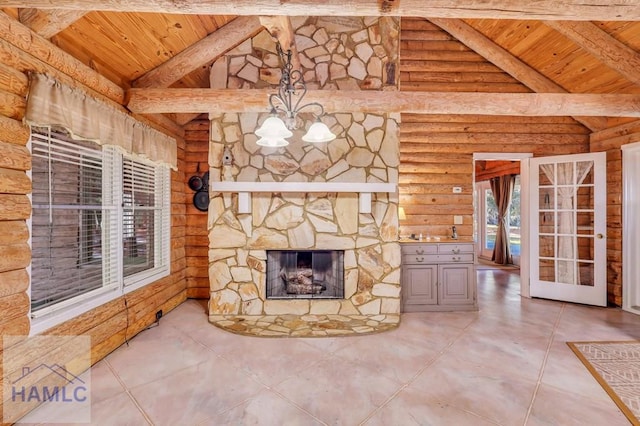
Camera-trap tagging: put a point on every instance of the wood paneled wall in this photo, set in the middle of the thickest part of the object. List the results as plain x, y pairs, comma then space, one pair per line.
197, 240
436, 151
610, 141
110, 324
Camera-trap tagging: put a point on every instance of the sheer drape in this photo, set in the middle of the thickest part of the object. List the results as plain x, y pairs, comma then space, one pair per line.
502, 188
53, 104
562, 176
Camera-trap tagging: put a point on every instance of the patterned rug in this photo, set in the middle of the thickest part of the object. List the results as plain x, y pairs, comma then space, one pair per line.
616, 366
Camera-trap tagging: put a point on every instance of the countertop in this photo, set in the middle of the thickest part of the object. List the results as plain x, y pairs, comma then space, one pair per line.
407, 240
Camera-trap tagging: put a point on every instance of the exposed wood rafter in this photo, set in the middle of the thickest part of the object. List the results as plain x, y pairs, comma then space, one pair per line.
203, 51
525, 104
593, 10
281, 30
614, 54
48, 23
500, 57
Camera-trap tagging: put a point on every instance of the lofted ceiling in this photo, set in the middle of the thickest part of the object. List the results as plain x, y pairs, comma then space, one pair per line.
562, 54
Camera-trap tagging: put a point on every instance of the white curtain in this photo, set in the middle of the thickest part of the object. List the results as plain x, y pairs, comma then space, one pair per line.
53, 104
562, 175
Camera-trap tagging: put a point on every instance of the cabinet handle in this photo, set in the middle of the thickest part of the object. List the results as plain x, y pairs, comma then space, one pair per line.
419, 259
456, 259
420, 251
456, 251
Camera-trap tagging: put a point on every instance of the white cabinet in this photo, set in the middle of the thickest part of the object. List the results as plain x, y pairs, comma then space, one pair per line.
438, 277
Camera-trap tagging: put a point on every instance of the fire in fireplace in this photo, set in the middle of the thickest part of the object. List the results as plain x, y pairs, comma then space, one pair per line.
305, 274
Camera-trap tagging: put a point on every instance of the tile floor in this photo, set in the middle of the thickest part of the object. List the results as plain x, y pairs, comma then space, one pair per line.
507, 364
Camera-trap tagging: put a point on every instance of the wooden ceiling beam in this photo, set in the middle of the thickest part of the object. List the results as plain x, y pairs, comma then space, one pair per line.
520, 104
48, 23
593, 10
281, 30
201, 52
607, 49
510, 64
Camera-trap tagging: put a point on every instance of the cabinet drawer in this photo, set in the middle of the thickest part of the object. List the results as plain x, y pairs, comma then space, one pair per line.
417, 259
419, 249
457, 258
455, 248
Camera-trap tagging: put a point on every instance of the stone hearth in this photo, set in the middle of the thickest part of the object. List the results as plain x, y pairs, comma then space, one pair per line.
366, 150
305, 325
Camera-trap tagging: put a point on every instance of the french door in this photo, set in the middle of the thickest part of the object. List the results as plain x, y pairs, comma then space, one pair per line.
568, 228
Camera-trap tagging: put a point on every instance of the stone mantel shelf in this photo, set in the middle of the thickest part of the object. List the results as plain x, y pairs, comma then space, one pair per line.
244, 190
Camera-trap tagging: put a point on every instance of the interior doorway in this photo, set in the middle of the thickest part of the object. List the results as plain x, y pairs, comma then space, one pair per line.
523, 163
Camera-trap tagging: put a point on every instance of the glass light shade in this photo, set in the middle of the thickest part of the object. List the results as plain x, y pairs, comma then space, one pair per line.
272, 142
401, 214
273, 128
318, 132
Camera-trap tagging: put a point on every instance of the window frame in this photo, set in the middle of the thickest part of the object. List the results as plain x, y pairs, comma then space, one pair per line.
50, 316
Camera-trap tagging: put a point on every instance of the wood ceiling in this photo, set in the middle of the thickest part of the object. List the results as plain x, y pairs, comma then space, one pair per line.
154, 49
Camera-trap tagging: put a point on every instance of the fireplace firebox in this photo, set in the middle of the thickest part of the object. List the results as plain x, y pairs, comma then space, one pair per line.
305, 274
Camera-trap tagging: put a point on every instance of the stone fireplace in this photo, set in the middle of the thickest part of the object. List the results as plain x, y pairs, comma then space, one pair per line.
247, 234
305, 274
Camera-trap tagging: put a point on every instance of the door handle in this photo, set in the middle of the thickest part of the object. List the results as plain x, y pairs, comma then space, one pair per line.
599, 236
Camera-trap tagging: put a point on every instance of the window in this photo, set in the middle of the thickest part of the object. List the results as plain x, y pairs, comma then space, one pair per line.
100, 225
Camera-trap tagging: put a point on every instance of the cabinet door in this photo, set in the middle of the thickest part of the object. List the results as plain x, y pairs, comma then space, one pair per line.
456, 285
419, 285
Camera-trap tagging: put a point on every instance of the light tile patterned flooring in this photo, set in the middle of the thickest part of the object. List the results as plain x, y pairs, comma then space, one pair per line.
507, 364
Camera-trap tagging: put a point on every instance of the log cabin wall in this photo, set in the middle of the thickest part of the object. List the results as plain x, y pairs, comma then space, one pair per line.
110, 324
610, 141
196, 238
436, 151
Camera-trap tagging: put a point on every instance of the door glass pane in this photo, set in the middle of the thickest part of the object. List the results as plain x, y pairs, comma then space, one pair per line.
565, 247
545, 174
547, 224
566, 272
547, 198
565, 198
547, 270
546, 246
585, 271
565, 174
585, 248
565, 223
585, 223
585, 198
585, 172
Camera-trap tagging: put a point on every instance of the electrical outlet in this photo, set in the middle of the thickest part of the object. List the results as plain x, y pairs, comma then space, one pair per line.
457, 190
457, 220
159, 315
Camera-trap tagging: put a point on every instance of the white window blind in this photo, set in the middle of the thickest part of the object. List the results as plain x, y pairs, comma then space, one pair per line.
71, 219
144, 213
100, 222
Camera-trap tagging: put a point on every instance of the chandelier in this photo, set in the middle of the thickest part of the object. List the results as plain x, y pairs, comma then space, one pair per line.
286, 103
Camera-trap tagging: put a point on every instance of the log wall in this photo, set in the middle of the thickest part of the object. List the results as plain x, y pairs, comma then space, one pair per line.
610, 141
197, 241
436, 151
110, 324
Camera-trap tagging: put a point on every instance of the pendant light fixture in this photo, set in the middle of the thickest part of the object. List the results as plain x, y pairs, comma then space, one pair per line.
286, 103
